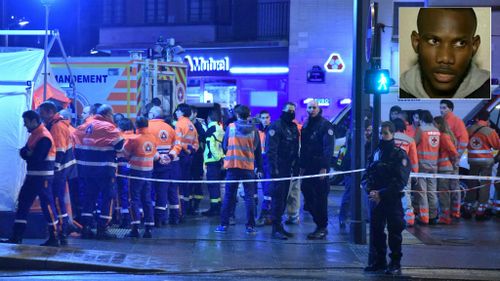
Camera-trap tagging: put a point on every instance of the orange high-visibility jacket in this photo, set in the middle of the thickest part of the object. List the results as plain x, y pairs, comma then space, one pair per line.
63, 141
96, 144
44, 167
410, 130
482, 143
427, 139
458, 129
185, 136
447, 152
240, 149
141, 151
164, 134
408, 144
120, 155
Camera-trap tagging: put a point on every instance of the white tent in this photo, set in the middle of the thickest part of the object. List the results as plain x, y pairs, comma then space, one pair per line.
20, 74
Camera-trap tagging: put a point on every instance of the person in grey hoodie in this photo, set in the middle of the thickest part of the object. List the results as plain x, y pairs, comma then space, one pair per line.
445, 44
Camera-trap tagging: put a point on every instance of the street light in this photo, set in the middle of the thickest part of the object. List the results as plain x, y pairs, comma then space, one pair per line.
13, 25
47, 4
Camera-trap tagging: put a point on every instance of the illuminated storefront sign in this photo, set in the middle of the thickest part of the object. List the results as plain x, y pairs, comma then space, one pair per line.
199, 64
320, 101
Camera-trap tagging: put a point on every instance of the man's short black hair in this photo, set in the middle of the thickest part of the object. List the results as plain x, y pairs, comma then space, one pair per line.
48, 106
448, 103
470, 11
426, 116
389, 125
242, 111
94, 108
141, 122
156, 101
264, 112
395, 108
399, 125
185, 109
32, 115
214, 115
104, 110
483, 115
117, 117
125, 124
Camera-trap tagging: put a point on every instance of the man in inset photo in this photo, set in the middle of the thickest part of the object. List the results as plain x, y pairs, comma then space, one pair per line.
445, 43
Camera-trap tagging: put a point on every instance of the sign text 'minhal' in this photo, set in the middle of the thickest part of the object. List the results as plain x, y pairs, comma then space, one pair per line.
210, 64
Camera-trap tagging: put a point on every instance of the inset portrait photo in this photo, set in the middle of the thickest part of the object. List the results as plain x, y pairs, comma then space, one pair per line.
445, 53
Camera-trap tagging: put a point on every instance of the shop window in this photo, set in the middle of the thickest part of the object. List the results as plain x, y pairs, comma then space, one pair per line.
210, 90
156, 11
201, 11
113, 12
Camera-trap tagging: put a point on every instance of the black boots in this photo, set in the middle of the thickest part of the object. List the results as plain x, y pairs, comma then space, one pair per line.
280, 233
52, 241
394, 267
17, 234
134, 232
318, 234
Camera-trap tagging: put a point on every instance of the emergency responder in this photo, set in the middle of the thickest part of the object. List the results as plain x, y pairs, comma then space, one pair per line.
214, 160
264, 217
243, 158
39, 153
166, 193
282, 143
316, 150
483, 140
141, 152
185, 146
197, 164
386, 176
427, 139
448, 156
407, 143
457, 127
126, 128
96, 144
64, 162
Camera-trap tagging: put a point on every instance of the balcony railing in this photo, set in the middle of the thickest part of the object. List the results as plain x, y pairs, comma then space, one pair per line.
274, 20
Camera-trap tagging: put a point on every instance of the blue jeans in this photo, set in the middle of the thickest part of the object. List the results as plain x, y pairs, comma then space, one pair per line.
230, 195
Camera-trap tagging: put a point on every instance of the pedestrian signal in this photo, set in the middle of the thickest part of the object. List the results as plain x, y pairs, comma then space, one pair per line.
377, 81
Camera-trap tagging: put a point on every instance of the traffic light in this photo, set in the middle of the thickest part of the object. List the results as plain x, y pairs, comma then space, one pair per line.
377, 81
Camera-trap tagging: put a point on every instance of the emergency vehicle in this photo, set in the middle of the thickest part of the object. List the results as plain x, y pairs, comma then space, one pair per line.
125, 83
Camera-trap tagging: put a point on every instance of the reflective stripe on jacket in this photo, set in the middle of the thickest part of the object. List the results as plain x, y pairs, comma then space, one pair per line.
240, 149
185, 136
61, 133
96, 146
214, 137
44, 167
427, 139
408, 144
458, 129
447, 151
482, 143
141, 151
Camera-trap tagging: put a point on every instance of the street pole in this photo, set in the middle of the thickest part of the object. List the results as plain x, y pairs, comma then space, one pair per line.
375, 64
45, 53
358, 225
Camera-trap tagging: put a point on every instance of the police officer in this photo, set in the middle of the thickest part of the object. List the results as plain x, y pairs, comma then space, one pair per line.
39, 153
263, 126
387, 174
317, 142
282, 142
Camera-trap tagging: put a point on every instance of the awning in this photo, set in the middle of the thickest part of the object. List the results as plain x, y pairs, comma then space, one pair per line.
52, 93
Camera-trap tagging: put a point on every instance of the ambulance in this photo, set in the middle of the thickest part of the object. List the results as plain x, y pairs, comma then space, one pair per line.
125, 83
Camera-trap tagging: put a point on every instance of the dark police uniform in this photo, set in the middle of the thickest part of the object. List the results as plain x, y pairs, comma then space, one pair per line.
387, 173
317, 143
282, 144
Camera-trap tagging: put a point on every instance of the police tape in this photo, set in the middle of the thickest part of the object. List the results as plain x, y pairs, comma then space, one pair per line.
335, 173
242, 181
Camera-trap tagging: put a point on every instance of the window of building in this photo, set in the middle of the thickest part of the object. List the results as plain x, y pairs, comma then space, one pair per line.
113, 12
156, 11
201, 11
